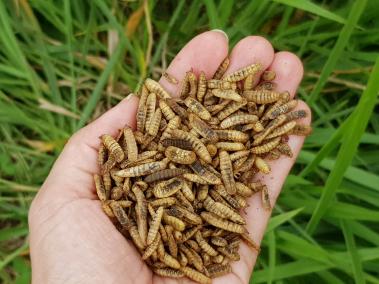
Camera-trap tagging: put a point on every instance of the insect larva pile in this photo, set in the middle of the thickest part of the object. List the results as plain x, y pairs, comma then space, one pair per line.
176, 185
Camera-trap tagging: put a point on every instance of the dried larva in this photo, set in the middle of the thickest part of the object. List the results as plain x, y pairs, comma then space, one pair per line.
101, 155
221, 69
182, 259
229, 253
141, 170
179, 143
249, 82
187, 191
116, 193
212, 149
201, 87
230, 146
217, 270
107, 181
197, 108
297, 114
192, 80
204, 245
154, 227
280, 131
170, 261
165, 202
131, 145
190, 217
155, 87
223, 211
238, 119
181, 112
171, 243
203, 128
268, 75
185, 87
194, 178
141, 212
167, 112
244, 190
113, 147
285, 149
231, 108
219, 222
197, 145
284, 108
221, 84
100, 189
179, 155
165, 174
266, 198
242, 73
206, 175
169, 272
170, 78
152, 247
196, 275
176, 223
266, 147
301, 130
155, 123
219, 241
218, 259
249, 241
262, 166
150, 109
105, 205
238, 155
262, 96
193, 244
227, 95
141, 111
190, 233
220, 194
258, 138
232, 135
120, 214
167, 188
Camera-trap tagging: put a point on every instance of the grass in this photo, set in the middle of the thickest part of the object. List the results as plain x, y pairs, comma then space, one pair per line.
58, 71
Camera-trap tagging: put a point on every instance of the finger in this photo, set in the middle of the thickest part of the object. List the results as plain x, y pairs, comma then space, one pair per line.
204, 53
72, 173
250, 50
289, 72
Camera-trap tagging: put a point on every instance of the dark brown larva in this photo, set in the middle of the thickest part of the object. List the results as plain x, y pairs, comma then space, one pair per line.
176, 185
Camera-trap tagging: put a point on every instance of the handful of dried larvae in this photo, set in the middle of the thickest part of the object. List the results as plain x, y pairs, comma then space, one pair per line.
176, 185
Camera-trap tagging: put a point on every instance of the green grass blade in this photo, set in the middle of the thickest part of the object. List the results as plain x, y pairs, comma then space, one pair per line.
351, 248
338, 48
212, 14
312, 8
348, 148
280, 219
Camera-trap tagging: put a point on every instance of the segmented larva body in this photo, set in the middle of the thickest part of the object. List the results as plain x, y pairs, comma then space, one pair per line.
227, 172
155, 87
227, 94
222, 69
201, 87
113, 147
197, 108
242, 73
238, 119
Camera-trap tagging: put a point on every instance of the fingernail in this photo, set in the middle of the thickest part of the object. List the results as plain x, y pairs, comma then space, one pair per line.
130, 96
221, 32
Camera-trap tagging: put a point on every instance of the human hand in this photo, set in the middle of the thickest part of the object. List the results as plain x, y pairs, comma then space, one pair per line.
73, 241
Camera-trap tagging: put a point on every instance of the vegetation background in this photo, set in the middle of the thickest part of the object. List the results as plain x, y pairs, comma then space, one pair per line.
63, 63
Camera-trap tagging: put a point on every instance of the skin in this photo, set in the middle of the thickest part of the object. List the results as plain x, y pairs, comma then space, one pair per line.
73, 241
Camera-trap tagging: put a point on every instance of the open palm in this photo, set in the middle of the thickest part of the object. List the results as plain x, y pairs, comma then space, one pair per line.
73, 241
